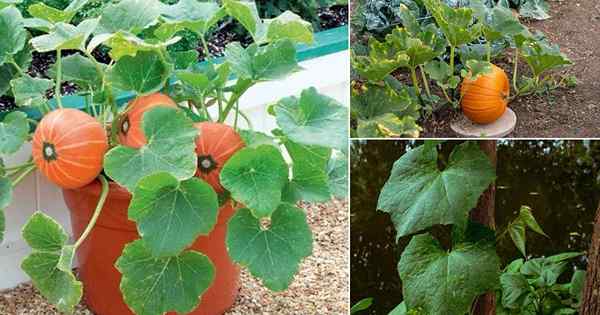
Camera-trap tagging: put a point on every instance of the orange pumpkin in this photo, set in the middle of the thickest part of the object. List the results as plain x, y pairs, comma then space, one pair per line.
215, 144
69, 147
485, 99
131, 133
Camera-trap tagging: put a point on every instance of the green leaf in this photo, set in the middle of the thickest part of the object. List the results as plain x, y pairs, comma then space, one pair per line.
541, 56
418, 195
6, 191
477, 68
171, 214
270, 62
313, 119
193, 15
309, 168
126, 44
516, 230
53, 279
256, 178
289, 25
498, 22
382, 112
399, 310
14, 131
361, 305
6, 3
2, 226
246, 13
535, 9
515, 289
184, 59
8, 71
170, 148
447, 282
337, 170
29, 91
254, 139
42, 11
154, 286
577, 284
145, 73
81, 71
130, 16
380, 62
65, 36
13, 35
455, 23
272, 254
526, 216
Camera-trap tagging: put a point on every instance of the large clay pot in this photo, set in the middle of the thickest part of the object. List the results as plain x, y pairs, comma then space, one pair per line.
98, 254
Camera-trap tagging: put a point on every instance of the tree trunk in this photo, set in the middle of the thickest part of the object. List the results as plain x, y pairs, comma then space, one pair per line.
591, 293
484, 214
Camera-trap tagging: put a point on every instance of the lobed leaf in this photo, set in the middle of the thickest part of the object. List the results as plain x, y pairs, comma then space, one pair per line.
8, 71
13, 35
170, 148
145, 73
65, 36
337, 170
47, 13
131, 16
29, 91
541, 56
270, 62
313, 119
246, 13
170, 214
456, 23
14, 131
154, 286
47, 266
418, 195
309, 168
256, 178
81, 71
126, 44
272, 254
193, 15
291, 26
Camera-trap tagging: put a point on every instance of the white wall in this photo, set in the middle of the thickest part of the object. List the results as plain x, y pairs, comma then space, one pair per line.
329, 74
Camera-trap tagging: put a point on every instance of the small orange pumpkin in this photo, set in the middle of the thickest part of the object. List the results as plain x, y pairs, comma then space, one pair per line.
69, 147
215, 144
130, 126
485, 99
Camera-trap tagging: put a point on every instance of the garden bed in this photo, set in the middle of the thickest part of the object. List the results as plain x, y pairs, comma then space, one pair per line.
563, 112
306, 295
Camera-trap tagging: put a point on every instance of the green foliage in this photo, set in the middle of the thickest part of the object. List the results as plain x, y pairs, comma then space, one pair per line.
14, 131
361, 305
516, 228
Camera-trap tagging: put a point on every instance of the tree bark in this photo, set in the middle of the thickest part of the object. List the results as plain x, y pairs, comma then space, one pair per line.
591, 292
484, 213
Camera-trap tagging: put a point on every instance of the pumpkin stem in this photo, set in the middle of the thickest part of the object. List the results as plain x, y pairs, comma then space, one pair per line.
425, 83
413, 75
49, 152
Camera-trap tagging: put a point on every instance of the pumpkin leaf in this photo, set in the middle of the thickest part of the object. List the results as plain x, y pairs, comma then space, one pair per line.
337, 170
47, 13
272, 254
13, 35
269, 62
126, 44
195, 16
81, 71
254, 139
309, 168
313, 119
381, 111
8, 71
14, 131
418, 195
6, 191
379, 63
535, 9
65, 36
146, 279
46, 265
145, 73
456, 23
541, 56
246, 13
442, 74
477, 68
291, 26
171, 214
400, 41
498, 22
170, 148
6, 3
130, 16
447, 282
184, 59
29, 91
256, 178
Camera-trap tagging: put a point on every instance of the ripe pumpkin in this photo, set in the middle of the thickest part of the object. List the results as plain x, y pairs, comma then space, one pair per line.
485, 99
215, 144
69, 147
130, 125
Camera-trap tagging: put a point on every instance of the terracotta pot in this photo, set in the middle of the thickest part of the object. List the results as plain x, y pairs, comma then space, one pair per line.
98, 254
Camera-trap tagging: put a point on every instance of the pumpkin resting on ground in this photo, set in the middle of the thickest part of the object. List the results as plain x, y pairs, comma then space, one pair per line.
215, 144
131, 133
69, 147
485, 99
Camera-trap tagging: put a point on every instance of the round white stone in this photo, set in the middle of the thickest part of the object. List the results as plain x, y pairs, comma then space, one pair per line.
498, 129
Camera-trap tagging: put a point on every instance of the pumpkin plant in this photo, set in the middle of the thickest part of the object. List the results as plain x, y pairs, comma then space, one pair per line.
178, 148
438, 280
475, 33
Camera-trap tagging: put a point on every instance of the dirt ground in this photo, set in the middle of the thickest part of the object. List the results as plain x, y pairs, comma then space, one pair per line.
321, 287
565, 113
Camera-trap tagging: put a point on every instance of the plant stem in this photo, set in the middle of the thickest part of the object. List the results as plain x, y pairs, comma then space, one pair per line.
12, 61
248, 122
237, 115
451, 59
515, 69
20, 166
23, 175
413, 75
57, 91
425, 81
489, 51
446, 95
97, 212
207, 55
234, 98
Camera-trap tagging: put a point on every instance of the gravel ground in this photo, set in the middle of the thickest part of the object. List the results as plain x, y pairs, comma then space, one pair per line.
321, 287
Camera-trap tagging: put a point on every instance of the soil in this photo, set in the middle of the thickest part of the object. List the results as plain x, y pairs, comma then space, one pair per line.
563, 113
321, 286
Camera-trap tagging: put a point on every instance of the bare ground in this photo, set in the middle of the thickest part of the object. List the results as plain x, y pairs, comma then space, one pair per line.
564, 113
321, 287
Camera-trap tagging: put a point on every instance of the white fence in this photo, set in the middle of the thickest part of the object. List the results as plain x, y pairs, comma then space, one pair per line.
328, 74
